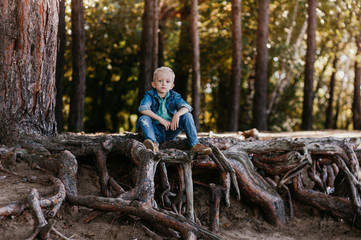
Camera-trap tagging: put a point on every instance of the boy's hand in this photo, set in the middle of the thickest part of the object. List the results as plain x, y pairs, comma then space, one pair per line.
175, 122
165, 123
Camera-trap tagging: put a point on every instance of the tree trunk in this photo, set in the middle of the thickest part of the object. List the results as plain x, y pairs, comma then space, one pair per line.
236, 65
196, 71
309, 69
328, 124
356, 105
76, 113
342, 88
182, 63
60, 62
260, 96
155, 36
146, 49
27, 72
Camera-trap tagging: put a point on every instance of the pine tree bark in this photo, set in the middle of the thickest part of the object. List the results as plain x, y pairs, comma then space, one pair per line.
182, 63
155, 36
28, 32
60, 63
309, 69
260, 95
196, 71
76, 113
146, 49
356, 105
236, 65
329, 111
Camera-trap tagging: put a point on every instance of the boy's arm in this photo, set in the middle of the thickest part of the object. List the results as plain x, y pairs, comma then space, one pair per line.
175, 120
161, 120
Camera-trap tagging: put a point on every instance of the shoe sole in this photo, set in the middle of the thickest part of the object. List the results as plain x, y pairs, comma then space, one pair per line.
149, 145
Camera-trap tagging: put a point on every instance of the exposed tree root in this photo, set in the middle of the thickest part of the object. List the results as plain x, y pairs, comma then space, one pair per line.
257, 170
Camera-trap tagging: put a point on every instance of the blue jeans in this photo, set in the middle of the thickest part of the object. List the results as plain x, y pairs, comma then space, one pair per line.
157, 132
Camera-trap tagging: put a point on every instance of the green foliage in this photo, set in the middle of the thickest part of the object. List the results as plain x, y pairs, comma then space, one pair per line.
113, 30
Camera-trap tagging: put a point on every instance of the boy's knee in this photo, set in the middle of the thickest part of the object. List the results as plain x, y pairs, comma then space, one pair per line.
144, 120
188, 116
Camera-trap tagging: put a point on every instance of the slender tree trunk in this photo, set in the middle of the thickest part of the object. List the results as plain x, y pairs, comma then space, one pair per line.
343, 86
309, 69
155, 36
246, 114
161, 46
196, 72
329, 111
76, 113
182, 64
60, 62
146, 49
236, 65
260, 96
27, 68
356, 105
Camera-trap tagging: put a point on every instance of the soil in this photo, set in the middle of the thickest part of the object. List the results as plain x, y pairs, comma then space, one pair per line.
239, 221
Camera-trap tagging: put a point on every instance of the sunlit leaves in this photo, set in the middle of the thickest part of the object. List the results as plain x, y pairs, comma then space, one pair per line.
113, 31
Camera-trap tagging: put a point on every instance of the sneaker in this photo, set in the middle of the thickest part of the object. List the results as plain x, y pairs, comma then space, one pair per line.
201, 149
151, 145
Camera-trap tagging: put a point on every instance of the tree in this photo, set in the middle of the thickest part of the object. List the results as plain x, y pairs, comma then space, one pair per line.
236, 65
155, 36
260, 95
76, 113
329, 112
182, 62
356, 105
60, 62
196, 71
146, 49
309, 68
27, 69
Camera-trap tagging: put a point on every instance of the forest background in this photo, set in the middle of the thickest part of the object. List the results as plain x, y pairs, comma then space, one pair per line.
113, 52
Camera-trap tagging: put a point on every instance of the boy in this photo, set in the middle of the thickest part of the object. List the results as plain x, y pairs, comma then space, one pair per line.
165, 114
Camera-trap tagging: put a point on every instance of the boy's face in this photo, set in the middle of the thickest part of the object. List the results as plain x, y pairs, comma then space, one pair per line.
163, 83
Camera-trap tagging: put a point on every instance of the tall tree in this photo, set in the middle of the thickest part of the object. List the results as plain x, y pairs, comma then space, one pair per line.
356, 105
260, 95
182, 63
342, 89
236, 65
329, 110
196, 71
155, 36
146, 49
309, 68
27, 68
60, 62
76, 113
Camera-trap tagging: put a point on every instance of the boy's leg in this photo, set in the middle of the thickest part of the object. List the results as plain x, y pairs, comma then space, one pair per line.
186, 123
191, 133
145, 123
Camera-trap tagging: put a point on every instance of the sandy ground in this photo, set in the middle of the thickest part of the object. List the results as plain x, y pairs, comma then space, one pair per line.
236, 222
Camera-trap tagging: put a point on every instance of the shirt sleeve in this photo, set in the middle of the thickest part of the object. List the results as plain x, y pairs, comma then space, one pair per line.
181, 103
146, 103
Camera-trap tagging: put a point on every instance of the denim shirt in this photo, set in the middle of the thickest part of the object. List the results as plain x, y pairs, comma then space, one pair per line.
173, 103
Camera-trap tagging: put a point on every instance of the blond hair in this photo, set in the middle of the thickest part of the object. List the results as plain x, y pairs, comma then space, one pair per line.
165, 70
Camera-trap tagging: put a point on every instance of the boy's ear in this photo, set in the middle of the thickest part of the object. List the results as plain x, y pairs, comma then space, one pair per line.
172, 86
153, 84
